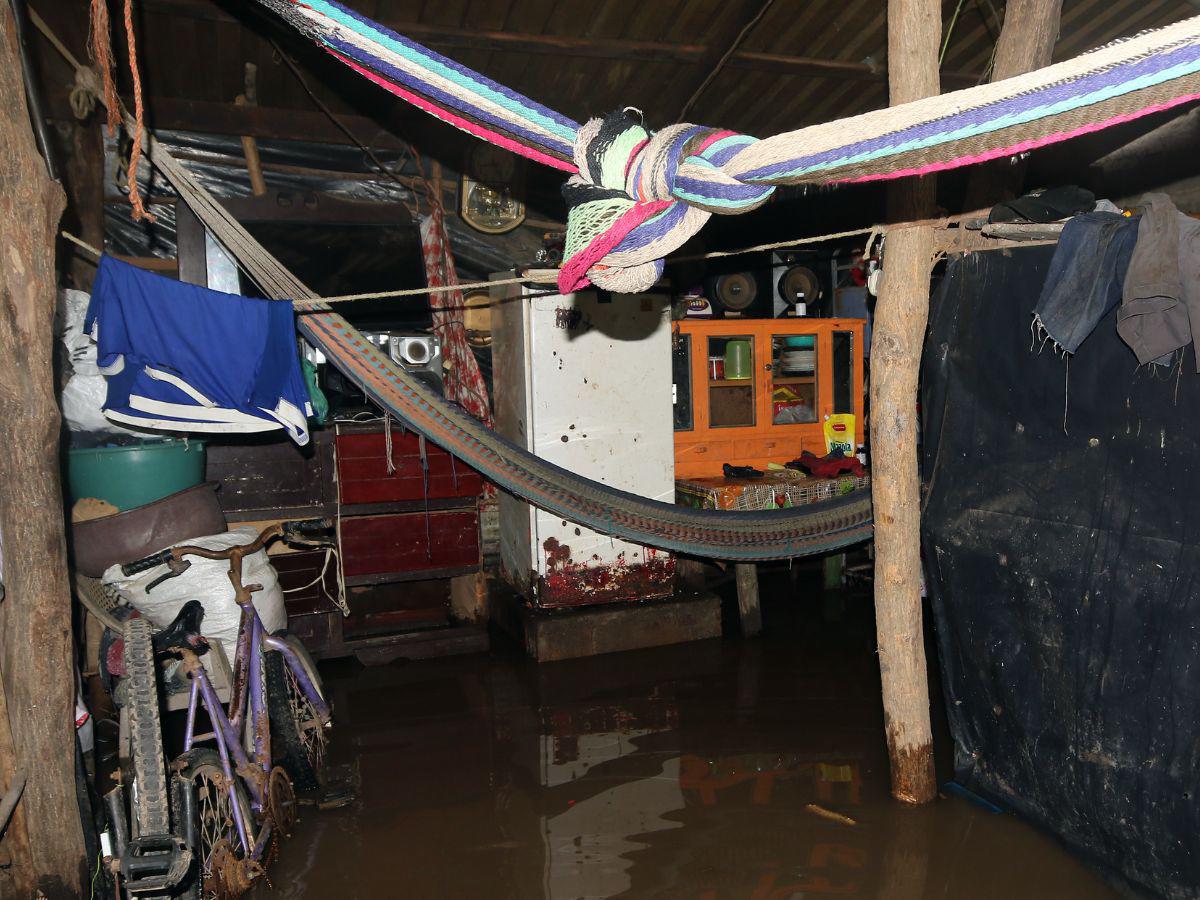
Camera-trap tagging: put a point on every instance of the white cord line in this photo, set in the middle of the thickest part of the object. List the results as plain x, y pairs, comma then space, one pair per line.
329, 551
520, 279
342, 298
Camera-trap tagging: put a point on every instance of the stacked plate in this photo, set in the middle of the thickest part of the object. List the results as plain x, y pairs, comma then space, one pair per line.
797, 362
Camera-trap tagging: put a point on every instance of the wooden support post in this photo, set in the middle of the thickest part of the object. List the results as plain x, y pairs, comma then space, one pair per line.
832, 567
747, 595
249, 145
81, 152
36, 649
914, 27
691, 572
1026, 43
470, 599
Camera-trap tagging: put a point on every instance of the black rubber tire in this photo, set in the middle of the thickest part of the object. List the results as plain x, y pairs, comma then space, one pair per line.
190, 889
201, 767
150, 808
298, 742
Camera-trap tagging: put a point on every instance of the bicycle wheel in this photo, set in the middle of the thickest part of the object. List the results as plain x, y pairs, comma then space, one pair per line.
298, 735
149, 806
224, 870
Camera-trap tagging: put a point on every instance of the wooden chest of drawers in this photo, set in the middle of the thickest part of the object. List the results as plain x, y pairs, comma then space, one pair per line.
403, 534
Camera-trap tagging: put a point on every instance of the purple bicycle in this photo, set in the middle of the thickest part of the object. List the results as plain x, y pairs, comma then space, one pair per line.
227, 803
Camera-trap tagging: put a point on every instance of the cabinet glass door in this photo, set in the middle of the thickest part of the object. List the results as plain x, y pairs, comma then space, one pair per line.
843, 371
794, 373
731, 381
681, 377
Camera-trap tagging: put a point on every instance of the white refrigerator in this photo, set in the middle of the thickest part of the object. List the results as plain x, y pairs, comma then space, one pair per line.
584, 381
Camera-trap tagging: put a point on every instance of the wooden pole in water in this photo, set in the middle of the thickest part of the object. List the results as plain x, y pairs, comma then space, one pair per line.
914, 29
45, 835
749, 610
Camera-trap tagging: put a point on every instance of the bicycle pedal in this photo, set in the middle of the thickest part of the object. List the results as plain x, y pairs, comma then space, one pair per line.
154, 863
336, 797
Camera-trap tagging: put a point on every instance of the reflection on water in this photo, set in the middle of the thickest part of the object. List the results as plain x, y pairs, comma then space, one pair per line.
684, 772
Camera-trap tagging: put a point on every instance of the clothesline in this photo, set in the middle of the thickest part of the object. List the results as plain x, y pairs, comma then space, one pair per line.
523, 279
342, 298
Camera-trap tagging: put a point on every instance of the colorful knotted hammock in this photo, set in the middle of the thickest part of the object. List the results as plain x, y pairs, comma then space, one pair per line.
634, 196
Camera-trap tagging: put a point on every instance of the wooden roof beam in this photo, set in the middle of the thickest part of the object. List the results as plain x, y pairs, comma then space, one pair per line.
447, 38
273, 123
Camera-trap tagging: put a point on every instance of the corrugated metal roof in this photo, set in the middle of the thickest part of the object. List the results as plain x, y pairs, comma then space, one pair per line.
804, 62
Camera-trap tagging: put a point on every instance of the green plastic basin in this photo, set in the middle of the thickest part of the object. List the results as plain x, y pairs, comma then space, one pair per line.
136, 474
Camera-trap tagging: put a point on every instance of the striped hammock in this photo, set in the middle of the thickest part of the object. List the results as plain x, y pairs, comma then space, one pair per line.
635, 195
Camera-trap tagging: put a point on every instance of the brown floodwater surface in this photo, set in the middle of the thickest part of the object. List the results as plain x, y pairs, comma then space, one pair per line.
696, 771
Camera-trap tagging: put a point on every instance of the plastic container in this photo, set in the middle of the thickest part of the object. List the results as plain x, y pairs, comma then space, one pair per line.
135, 474
130, 535
739, 359
801, 342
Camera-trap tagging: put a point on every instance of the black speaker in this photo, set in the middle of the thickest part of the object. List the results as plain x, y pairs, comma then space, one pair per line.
740, 294
765, 287
796, 285
418, 354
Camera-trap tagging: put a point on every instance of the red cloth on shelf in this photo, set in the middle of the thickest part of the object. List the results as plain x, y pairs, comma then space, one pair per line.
829, 466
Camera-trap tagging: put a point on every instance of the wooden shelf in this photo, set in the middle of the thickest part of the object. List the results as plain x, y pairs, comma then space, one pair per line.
731, 382
795, 379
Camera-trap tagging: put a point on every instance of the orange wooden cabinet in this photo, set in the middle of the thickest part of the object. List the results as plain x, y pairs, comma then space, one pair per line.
799, 372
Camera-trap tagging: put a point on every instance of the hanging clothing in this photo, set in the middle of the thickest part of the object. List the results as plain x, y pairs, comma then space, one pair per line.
1160, 306
179, 357
464, 381
1084, 282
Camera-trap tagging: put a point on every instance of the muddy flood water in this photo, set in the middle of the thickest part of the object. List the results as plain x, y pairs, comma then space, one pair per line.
720, 769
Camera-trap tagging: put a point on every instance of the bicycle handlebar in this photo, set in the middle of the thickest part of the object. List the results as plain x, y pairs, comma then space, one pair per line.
297, 529
147, 562
300, 528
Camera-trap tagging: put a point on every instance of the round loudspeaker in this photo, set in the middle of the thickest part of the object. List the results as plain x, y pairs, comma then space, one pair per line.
416, 353
735, 292
799, 284
477, 314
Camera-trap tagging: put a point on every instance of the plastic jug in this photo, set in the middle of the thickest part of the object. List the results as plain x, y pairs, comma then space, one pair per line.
739, 360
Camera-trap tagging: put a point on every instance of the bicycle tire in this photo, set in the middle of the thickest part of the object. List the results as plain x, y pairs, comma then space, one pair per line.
297, 739
202, 770
148, 795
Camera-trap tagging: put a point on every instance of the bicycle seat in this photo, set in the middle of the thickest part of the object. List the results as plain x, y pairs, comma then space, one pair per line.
184, 632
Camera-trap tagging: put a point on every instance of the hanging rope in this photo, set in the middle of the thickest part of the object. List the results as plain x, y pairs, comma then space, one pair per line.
139, 211
637, 195
100, 48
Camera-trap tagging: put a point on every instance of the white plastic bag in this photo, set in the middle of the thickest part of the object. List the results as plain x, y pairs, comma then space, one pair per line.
82, 399
84, 393
207, 580
81, 349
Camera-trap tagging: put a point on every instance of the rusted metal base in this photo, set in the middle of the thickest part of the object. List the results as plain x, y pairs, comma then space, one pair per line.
568, 634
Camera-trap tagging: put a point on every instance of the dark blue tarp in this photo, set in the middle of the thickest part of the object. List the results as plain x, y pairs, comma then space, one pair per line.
1064, 572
